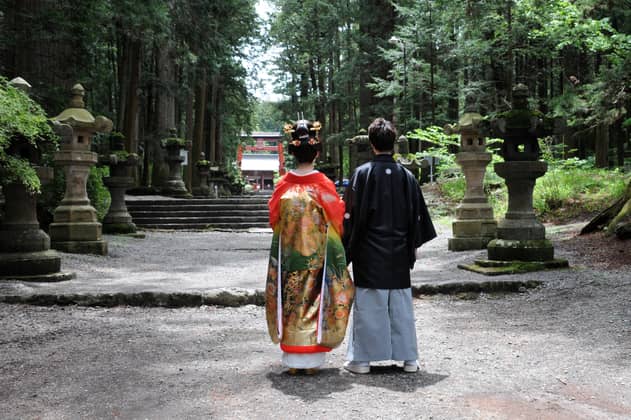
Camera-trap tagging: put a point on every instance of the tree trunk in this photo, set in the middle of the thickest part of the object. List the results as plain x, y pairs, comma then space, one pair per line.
432, 66
510, 78
616, 218
375, 30
619, 140
164, 120
602, 145
189, 118
219, 129
131, 100
198, 131
212, 114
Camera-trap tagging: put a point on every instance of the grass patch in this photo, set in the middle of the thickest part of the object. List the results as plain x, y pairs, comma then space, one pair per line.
570, 190
565, 194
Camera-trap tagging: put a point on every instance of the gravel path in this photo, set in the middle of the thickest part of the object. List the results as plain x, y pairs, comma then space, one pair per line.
562, 351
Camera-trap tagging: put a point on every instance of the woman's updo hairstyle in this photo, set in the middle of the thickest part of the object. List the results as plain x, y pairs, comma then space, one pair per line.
304, 144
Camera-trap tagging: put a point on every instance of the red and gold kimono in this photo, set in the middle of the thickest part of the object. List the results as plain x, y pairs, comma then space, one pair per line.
307, 265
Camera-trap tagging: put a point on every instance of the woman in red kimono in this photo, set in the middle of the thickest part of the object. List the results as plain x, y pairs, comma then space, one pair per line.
308, 291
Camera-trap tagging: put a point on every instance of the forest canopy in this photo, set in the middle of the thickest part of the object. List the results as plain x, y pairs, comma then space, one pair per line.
156, 65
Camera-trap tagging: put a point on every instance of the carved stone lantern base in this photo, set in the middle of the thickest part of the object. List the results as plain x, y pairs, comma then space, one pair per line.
175, 188
475, 225
75, 230
25, 252
202, 190
118, 219
520, 236
41, 266
471, 234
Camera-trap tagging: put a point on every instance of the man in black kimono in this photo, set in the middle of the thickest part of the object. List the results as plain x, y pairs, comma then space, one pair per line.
386, 220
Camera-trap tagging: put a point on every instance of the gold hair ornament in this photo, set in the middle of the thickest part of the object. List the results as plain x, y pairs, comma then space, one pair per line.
288, 128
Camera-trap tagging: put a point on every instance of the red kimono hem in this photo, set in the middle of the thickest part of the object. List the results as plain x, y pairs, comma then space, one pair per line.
304, 349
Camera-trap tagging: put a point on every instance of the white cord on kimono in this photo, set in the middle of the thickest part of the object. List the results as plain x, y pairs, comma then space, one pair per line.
323, 289
279, 295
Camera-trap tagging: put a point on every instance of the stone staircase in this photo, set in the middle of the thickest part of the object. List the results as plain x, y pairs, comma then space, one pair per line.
240, 212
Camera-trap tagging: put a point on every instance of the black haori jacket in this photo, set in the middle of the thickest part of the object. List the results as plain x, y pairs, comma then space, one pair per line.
386, 220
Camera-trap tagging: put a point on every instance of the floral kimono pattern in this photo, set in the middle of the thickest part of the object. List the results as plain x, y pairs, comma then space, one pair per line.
311, 312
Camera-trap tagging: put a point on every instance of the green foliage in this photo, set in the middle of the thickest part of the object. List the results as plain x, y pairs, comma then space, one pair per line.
234, 176
442, 146
572, 186
268, 117
97, 191
22, 120
318, 68
121, 155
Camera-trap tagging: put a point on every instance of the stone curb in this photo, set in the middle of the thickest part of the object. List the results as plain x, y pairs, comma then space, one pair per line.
236, 297
488, 286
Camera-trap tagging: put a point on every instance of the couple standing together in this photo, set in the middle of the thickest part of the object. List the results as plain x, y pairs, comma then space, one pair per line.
378, 227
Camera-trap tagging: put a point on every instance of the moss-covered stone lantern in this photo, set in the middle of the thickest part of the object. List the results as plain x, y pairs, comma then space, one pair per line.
75, 226
121, 164
174, 186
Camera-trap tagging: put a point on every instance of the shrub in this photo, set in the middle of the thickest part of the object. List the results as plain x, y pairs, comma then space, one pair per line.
22, 120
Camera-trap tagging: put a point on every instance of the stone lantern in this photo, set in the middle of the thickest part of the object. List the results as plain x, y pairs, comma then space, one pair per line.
121, 164
25, 252
203, 170
75, 226
521, 243
174, 186
475, 225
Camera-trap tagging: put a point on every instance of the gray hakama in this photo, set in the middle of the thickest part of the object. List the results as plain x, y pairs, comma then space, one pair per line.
382, 326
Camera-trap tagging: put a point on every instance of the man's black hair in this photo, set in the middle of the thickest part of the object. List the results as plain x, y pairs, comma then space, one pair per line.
382, 135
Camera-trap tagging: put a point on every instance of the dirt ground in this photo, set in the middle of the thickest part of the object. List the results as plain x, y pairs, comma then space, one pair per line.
599, 250
562, 351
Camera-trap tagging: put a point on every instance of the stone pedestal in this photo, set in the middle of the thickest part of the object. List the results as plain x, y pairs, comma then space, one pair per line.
475, 225
202, 190
75, 226
174, 186
520, 236
25, 252
118, 219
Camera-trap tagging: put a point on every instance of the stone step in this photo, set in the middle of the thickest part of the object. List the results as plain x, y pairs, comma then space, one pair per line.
196, 207
198, 202
203, 226
241, 212
187, 213
140, 221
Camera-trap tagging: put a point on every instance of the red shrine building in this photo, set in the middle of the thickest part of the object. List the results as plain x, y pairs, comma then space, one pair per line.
259, 162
